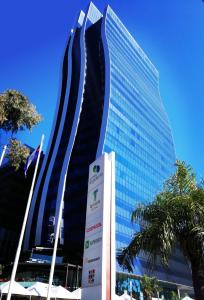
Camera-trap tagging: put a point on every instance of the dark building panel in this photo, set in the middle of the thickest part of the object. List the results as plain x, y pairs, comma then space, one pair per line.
31, 230
85, 146
55, 175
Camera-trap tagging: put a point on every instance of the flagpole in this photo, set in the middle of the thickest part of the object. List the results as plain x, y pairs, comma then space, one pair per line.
18, 251
2, 154
57, 232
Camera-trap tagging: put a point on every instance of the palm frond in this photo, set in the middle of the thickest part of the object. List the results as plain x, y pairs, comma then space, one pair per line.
155, 239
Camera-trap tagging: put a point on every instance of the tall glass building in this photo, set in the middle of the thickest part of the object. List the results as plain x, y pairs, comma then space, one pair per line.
109, 101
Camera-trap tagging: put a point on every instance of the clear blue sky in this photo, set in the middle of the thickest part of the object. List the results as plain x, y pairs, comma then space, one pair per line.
33, 36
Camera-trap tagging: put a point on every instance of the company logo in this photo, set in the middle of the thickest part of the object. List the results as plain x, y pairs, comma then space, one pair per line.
89, 243
91, 276
95, 195
95, 200
95, 226
96, 169
91, 260
96, 174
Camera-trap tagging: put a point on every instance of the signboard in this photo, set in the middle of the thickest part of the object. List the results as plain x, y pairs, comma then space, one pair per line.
98, 275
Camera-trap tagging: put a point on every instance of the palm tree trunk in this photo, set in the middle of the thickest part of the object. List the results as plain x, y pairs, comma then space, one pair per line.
198, 280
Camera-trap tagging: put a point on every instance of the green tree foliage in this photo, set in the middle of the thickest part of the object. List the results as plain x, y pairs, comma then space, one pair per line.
174, 296
17, 153
17, 113
176, 216
149, 286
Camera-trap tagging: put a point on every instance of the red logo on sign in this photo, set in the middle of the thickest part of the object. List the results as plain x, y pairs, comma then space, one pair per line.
91, 276
95, 226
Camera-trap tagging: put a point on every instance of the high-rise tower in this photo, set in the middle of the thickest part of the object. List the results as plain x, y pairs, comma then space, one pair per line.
109, 101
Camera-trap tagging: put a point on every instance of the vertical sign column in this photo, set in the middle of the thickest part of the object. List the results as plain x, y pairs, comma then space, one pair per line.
98, 276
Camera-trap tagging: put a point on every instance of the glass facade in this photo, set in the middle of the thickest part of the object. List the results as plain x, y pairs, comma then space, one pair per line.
113, 104
137, 129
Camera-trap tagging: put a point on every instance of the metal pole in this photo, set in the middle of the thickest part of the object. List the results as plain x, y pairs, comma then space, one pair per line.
31, 255
15, 265
2, 154
66, 279
112, 227
77, 277
56, 239
131, 289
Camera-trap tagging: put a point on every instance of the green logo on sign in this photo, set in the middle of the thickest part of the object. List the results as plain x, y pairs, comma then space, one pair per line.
96, 169
87, 244
95, 194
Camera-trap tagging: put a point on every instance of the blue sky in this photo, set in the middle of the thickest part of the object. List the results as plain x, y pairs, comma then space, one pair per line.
34, 33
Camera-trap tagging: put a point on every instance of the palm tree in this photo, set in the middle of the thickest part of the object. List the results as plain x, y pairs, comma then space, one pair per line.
150, 286
176, 216
174, 296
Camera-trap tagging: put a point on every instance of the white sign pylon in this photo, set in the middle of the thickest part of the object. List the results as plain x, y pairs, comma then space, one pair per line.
98, 275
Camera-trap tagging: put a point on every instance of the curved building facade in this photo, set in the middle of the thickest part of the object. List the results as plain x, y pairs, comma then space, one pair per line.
109, 101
